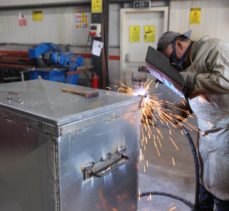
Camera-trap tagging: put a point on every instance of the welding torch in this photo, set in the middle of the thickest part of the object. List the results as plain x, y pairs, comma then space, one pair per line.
145, 95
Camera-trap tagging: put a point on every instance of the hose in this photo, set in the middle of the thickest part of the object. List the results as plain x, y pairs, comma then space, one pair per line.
194, 206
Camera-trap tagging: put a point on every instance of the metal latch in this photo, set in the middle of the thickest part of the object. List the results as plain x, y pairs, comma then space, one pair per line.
14, 93
105, 165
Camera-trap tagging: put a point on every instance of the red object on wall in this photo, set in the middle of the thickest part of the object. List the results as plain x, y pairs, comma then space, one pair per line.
22, 20
95, 81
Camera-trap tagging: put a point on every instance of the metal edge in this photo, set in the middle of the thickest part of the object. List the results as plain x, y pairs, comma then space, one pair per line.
74, 126
71, 118
27, 114
56, 174
107, 117
98, 111
30, 122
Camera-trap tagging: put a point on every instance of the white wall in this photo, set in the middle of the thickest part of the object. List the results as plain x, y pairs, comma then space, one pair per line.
214, 18
58, 26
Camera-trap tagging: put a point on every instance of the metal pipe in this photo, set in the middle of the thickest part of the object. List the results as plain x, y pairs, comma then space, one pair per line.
14, 66
64, 45
121, 1
47, 5
59, 4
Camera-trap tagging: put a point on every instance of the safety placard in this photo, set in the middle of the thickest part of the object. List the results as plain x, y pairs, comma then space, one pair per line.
37, 15
22, 20
81, 17
149, 33
96, 6
134, 33
195, 14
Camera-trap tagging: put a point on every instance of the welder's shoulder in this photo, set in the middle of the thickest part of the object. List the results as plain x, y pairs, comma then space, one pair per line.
217, 44
214, 51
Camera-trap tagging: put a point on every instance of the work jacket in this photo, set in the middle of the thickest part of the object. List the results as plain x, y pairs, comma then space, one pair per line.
208, 79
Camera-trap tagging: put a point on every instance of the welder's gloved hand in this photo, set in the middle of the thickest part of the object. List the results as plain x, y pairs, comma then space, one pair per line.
189, 78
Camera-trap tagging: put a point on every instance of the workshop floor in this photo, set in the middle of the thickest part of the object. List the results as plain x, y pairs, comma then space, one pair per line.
161, 174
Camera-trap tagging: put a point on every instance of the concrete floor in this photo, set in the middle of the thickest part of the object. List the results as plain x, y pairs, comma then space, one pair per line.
161, 175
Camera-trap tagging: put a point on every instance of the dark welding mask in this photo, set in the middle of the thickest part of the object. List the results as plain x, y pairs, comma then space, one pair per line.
160, 67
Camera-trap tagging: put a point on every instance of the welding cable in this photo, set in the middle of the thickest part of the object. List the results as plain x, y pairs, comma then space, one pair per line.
194, 206
190, 204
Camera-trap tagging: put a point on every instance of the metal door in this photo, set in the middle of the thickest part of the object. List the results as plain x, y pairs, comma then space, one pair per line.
133, 52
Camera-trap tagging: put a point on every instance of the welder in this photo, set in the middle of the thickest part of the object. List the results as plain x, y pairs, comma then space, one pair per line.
205, 70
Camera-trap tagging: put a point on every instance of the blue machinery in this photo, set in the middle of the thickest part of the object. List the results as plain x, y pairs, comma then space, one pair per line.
54, 63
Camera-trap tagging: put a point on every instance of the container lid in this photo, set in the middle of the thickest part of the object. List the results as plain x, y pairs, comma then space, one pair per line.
45, 101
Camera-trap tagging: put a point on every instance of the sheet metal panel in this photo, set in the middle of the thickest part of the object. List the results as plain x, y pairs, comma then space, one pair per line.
41, 172
27, 170
115, 191
44, 101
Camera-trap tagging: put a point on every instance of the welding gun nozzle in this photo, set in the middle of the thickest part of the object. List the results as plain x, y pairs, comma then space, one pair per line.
142, 96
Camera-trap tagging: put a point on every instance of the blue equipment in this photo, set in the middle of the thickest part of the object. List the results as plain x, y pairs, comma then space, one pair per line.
54, 63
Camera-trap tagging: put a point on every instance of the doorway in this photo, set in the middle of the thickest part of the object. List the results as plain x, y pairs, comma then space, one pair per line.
139, 28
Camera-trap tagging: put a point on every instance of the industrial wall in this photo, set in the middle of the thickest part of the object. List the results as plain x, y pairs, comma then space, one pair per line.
59, 25
213, 22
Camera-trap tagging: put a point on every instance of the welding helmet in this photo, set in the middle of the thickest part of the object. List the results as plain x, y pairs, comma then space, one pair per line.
165, 70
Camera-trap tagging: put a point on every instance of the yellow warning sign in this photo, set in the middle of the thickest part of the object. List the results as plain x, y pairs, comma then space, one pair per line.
149, 33
195, 14
37, 15
134, 33
96, 6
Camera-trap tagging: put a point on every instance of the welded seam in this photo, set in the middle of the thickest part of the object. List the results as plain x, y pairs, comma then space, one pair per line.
56, 175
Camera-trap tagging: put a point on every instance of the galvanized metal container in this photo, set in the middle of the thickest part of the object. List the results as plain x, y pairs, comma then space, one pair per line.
62, 152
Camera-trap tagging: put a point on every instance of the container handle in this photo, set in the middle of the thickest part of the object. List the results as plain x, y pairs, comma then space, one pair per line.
14, 93
124, 159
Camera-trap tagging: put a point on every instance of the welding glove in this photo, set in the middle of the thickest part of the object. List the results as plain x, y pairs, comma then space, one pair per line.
189, 78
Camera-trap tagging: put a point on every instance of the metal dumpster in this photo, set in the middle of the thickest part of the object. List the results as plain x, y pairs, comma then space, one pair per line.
62, 152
